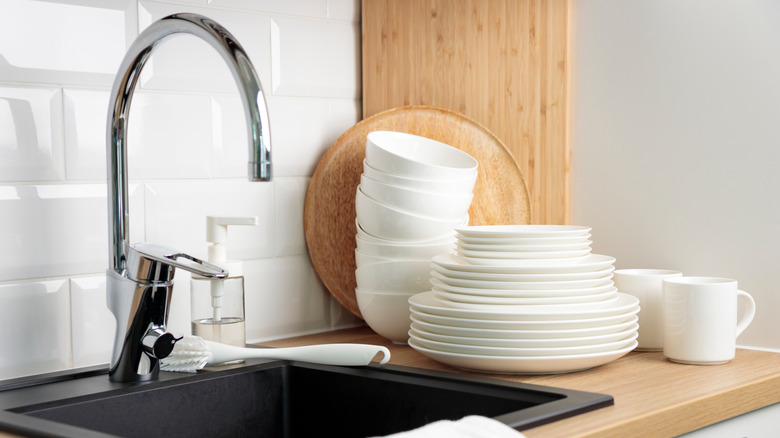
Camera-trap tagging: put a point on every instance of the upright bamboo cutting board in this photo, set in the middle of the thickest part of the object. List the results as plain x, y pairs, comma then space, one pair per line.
500, 195
503, 63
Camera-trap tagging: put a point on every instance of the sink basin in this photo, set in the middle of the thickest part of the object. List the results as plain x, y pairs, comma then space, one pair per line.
276, 399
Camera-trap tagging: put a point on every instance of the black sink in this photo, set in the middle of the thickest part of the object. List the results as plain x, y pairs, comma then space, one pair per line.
276, 399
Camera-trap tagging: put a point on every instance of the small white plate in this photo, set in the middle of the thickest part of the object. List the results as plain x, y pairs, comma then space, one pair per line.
592, 262
520, 342
521, 325
510, 249
493, 241
606, 326
521, 352
441, 292
515, 231
427, 302
524, 365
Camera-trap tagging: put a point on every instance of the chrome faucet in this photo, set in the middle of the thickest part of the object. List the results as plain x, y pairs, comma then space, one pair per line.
139, 280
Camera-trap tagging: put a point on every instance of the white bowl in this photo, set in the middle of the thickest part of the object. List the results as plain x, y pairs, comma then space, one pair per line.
364, 236
459, 185
386, 314
394, 276
362, 259
388, 223
391, 250
432, 204
413, 156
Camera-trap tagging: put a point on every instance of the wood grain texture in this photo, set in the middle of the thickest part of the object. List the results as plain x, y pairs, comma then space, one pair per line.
653, 396
503, 63
500, 195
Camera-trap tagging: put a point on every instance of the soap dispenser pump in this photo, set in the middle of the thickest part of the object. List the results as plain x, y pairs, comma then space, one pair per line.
217, 306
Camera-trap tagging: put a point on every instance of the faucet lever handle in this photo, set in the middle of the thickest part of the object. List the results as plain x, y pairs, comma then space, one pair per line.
152, 263
158, 343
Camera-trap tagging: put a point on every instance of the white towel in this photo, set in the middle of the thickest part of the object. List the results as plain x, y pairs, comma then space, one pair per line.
473, 426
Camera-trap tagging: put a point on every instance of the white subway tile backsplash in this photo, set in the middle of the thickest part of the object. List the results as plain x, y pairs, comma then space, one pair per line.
57, 230
86, 112
348, 10
342, 115
64, 41
230, 137
92, 324
302, 8
288, 207
169, 136
31, 146
35, 327
187, 147
299, 128
176, 215
315, 58
187, 63
283, 298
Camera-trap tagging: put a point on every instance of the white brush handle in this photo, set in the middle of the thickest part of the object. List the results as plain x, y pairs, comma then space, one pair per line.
328, 354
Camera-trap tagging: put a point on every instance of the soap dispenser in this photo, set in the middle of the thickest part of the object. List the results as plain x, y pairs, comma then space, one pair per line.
217, 306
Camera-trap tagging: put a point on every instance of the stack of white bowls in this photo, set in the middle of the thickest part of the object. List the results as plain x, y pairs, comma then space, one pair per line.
523, 299
412, 194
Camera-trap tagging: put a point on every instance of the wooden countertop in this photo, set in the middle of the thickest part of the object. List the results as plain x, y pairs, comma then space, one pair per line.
652, 395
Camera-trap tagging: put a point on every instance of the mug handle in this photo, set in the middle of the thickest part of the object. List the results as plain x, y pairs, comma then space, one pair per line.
748, 315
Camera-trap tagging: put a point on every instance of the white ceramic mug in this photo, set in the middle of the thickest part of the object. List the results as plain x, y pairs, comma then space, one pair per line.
700, 319
647, 285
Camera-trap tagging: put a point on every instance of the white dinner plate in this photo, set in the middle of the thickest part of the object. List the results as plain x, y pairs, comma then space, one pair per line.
606, 326
524, 365
516, 231
521, 352
527, 262
563, 287
426, 302
592, 262
510, 278
522, 342
508, 289
452, 300
522, 325
509, 249
506, 256
442, 292
493, 241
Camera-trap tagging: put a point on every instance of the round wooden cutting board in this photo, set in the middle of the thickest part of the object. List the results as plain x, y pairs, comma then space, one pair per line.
500, 194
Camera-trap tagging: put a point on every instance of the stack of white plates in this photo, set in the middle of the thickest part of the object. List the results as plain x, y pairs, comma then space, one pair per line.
557, 311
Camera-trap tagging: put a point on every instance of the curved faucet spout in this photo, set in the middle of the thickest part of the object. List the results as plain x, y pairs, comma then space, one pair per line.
252, 98
140, 302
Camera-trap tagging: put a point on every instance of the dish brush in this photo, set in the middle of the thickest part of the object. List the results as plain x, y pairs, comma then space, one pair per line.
192, 353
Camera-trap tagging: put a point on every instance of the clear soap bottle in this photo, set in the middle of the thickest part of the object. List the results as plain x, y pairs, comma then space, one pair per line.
217, 306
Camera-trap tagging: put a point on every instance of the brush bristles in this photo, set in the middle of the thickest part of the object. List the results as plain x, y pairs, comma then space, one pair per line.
189, 355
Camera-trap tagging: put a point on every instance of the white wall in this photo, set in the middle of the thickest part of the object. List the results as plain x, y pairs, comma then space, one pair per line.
187, 159
676, 140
